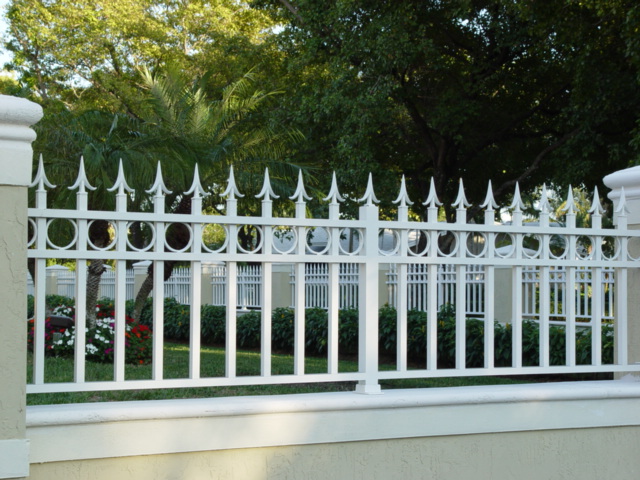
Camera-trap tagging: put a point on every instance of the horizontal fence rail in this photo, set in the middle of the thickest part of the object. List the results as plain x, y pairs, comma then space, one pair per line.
561, 277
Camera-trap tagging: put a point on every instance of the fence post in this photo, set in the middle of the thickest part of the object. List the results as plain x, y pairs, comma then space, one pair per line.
629, 181
368, 296
16, 116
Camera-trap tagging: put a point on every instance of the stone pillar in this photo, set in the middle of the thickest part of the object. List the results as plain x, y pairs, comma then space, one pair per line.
629, 179
139, 275
16, 154
282, 293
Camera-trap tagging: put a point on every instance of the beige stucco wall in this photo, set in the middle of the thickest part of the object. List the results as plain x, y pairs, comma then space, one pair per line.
13, 296
597, 454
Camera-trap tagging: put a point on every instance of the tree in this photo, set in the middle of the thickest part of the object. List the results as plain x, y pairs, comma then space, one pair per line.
186, 127
101, 140
88, 53
482, 89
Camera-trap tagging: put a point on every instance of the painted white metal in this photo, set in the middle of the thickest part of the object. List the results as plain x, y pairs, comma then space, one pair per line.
569, 288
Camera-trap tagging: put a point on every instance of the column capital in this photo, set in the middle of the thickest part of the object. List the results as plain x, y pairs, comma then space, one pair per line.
629, 179
16, 117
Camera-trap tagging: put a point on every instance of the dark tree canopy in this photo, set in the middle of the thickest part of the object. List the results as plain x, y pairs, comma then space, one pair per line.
501, 90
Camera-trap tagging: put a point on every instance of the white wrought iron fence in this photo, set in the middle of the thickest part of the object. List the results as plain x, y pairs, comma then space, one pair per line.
468, 254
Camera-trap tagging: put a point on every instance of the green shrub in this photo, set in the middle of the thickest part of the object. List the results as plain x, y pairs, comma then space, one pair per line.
316, 331
249, 327
348, 331
282, 329
213, 324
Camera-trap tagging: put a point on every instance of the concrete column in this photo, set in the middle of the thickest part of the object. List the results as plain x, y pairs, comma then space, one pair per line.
629, 179
53, 284
281, 292
16, 154
139, 275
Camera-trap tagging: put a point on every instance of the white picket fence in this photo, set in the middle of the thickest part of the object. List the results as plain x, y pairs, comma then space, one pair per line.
554, 279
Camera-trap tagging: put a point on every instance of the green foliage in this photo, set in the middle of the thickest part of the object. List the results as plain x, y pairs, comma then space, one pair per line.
408, 87
248, 329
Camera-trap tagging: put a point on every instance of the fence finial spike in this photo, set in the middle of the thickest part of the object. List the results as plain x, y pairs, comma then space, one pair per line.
596, 209
300, 194
41, 177
403, 196
489, 203
570, 204
159, 188
196, 187
517, 205
369, 195
334, 195
82, 182
432, 199
121, 183
621, 209
461, 200
267, 191
545, 207
232, 190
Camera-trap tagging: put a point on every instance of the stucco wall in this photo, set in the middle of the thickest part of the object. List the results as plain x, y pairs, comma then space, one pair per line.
13, 201
597, 454
586, 430
13, 334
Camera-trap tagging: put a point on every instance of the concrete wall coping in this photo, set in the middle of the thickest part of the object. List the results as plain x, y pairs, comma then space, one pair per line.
69, 414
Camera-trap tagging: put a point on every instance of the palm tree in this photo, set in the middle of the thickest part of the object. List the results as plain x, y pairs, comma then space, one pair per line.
100, 139
185, 126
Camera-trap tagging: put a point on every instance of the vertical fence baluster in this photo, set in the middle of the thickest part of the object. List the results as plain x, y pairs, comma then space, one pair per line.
403, 247
40, 272
333, 290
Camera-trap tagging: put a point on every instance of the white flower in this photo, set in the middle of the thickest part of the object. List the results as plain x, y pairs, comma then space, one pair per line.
70, 342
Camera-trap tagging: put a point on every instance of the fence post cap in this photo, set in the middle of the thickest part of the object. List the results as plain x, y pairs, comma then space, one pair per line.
16, 116
629, 179
142, 264
19, 111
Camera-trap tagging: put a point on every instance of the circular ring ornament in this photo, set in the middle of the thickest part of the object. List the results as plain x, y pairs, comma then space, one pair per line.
224, 244
554, 242
509, 249
258, 246
152, 240
308, 237
73, 240
32, 239
108, 247
454, 250
396, 242
360, 242
415, 238
475, 240
178, 250
288, 233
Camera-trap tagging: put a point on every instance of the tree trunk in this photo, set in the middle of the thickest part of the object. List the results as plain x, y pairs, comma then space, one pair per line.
94, 275
178, 237
99, 234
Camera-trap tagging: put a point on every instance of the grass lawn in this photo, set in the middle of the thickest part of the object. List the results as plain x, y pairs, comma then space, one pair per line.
176, 365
